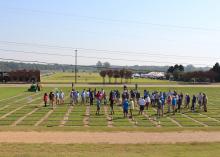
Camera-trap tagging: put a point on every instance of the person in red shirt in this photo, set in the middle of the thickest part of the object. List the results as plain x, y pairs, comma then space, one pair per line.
45, 99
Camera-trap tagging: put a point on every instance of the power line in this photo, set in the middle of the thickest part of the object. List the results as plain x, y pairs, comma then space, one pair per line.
89, 57
106, 51
118, 20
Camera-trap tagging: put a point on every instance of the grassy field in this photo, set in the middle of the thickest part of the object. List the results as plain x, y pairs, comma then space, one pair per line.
109, 150
24, 109
67, 77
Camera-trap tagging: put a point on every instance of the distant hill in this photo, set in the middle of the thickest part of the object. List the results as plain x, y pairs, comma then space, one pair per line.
8, 66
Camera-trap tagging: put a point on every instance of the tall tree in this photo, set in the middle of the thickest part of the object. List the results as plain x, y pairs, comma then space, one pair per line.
116, 75
106, 65
122, 74
99, 65
110, 75
103, 75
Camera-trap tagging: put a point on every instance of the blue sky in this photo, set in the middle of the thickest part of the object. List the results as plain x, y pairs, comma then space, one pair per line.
148, 32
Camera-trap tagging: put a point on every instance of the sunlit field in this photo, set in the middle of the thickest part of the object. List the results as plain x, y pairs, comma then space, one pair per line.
86, 77
25, 109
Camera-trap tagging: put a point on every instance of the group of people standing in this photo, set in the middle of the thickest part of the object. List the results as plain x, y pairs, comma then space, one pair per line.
131, 99
54, 98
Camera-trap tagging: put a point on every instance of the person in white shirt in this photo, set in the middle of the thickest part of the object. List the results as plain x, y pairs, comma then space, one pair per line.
141, 103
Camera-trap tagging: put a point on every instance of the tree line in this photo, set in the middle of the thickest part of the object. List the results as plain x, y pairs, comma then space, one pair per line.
177, 73
123, 74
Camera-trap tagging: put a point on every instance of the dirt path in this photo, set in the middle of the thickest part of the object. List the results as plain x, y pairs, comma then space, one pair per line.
44, 118
108, 137
66, 116
86, 118
108, 117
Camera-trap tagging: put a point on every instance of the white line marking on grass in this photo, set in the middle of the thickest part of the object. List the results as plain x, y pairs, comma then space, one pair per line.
109, 118
12, 97
44, 118
203, 124
216, 120
22, 118
9, 113
66, 116
151, 119
86, 118
4, 107
174, 121
36, 94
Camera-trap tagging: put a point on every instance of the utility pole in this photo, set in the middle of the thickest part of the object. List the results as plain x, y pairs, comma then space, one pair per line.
75, 66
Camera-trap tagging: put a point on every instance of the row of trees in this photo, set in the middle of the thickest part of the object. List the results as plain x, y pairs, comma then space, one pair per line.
116, 74
177, 73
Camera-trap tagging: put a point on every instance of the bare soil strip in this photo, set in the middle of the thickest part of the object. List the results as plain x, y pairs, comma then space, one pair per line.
132, 121
109, 118
4, 107
109, 137
7, 114
44, 118
86, 118
174, 121
216, 120
66, 116
27, 98
205, 125
22, 118
152, 120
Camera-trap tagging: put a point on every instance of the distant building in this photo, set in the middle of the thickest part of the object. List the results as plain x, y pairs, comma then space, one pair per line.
26, 76
151, 75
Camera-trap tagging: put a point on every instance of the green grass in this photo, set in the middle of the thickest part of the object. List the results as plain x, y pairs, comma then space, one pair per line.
85, 77
7, 92
100, 122
109, 150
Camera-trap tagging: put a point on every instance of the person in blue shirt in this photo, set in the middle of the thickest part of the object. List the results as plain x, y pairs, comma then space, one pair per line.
174, 102
125, 107
162, 105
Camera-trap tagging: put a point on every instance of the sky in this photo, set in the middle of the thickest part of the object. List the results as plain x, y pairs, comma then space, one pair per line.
122, 32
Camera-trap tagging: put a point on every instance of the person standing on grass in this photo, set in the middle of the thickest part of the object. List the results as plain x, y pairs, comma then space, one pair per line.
50, 98
138, 96
153, 99
205, 101
91, 97
125, 107
131, 105
141, 103
187, 101
71, 97
45, 99
98, 102
193, 103
169, 101
200, 98
83, 97
111, 100
147, 100
159, 107
57, 98
61, 95
117, 96
174, 102
179, 102
53, 97
162, 99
